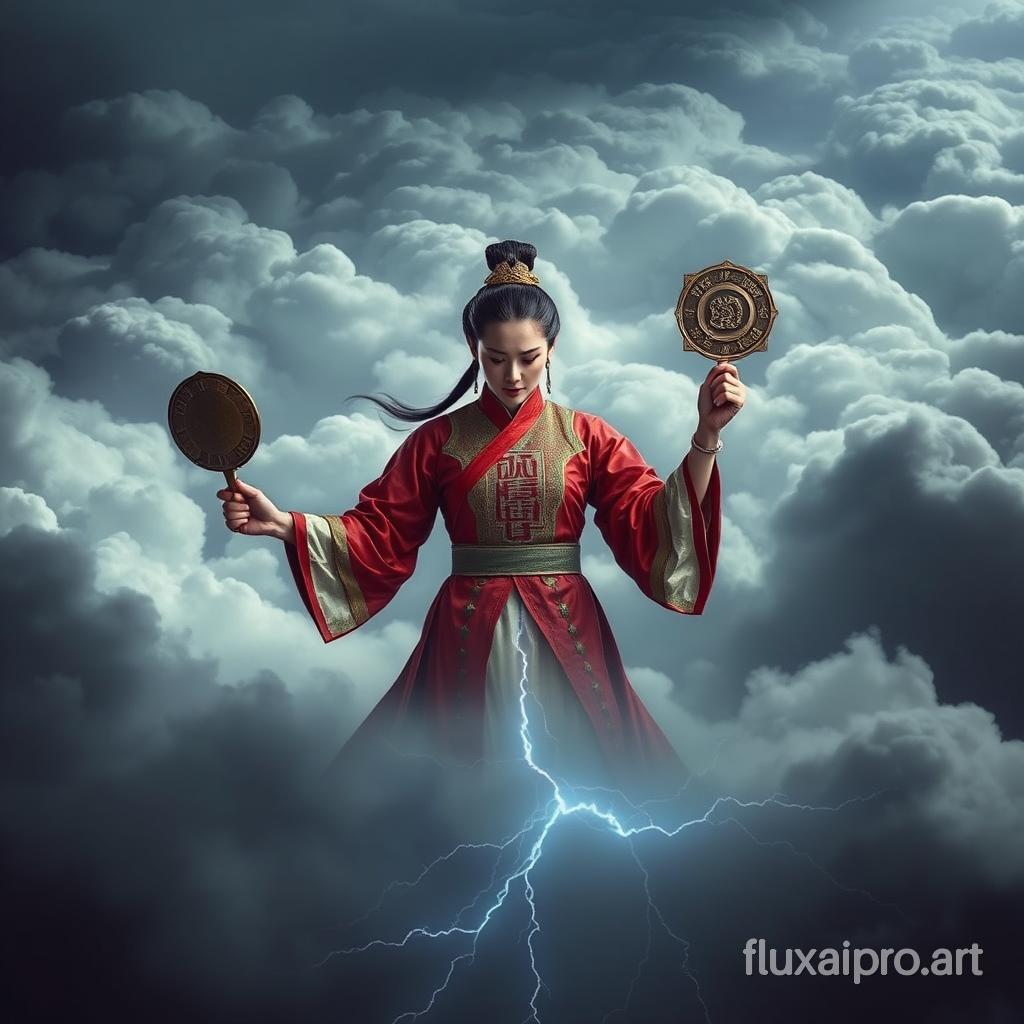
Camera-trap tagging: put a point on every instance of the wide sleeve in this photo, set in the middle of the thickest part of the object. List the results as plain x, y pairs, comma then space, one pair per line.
347, 567
657, 531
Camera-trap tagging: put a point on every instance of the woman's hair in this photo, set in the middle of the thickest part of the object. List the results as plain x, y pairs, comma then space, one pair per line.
492, 303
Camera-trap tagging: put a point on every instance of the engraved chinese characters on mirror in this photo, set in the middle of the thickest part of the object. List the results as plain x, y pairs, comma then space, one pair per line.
725, 311
214, 422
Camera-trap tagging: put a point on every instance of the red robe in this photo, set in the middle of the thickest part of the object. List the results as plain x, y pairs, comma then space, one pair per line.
502, 478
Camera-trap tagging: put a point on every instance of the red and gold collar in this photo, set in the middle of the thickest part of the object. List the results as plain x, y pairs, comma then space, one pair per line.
500, 416
512, 428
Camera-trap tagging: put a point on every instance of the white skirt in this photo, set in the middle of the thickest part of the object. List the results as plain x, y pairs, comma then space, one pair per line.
560, 731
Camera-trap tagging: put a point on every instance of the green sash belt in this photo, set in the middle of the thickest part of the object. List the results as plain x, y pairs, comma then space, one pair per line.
514, 559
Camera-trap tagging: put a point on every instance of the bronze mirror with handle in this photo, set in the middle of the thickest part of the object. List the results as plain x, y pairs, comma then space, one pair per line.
214, 422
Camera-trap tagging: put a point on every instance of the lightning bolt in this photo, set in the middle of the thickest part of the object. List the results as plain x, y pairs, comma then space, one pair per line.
558, 806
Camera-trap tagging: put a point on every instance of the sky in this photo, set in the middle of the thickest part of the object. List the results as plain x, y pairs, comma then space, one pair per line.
299, 196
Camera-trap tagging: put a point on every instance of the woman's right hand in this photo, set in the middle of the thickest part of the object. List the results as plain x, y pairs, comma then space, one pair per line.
248, 510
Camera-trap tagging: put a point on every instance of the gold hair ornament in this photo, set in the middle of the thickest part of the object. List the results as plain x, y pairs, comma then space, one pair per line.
520, 273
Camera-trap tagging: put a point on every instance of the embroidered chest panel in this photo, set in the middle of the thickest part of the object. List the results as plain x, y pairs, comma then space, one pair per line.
517, 500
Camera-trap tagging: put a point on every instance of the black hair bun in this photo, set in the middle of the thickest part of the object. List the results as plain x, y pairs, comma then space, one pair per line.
509, 252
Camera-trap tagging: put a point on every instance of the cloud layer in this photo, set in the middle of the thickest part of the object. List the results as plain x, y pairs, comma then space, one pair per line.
312, 226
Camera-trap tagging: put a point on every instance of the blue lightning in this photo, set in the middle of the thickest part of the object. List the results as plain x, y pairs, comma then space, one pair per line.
557, 807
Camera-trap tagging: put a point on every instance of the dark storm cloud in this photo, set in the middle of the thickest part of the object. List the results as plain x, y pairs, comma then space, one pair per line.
780, 64
888, 535
130, 796
178, 855
177, 850
331, 54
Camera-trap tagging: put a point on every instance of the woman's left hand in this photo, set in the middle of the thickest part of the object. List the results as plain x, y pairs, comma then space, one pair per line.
721, 396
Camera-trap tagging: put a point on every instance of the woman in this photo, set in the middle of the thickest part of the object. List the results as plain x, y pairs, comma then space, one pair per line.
512, 474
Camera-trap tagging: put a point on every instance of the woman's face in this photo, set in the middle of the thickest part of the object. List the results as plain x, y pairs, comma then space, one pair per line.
512, 355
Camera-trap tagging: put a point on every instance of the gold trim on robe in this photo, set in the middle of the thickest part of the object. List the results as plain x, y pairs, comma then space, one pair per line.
334, 584
675, 572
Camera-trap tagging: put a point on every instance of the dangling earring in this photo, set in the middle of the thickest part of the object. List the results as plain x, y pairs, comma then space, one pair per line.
476, 380
548, 365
